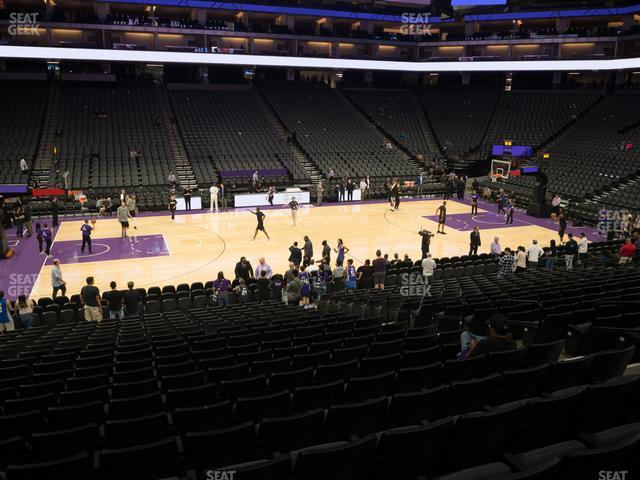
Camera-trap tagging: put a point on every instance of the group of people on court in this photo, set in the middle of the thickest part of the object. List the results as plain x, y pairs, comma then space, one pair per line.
293, 206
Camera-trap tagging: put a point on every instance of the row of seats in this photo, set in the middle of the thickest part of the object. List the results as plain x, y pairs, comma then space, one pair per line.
429, 445
20, 123
101, 125
230, 130
335, 135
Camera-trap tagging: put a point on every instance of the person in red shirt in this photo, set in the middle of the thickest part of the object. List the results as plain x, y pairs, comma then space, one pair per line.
627, 251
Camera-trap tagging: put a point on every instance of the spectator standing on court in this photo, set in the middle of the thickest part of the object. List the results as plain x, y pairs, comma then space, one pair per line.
90, 297
379, 270
131, 205
350, 275
54, 212
342, 188
173, 204
341, 250
18, 218
350, 188
308, 251
551, 254
495, 247
187, 199
474, 241
474, 203
506, 264
326, 253
419, 184
132, 300
213, 191
570, 251
115, 298
244, 269
365, 275
295, 255
47, 236
270, 194
521, 259
263, 267
319, 192
583, 249
86, 230
223, 197
562, 225
39, 237
428, 265
123, 217
364, 189
534, 252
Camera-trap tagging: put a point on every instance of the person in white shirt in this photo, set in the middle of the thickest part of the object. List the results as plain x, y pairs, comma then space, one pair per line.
495, 248
555, 203
363, 189
214, 198
263, 267
24, 168
428, 267
534, 252
521, 260
583, 248
172, 179
313, 267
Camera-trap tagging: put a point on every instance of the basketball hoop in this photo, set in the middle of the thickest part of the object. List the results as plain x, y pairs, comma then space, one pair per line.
500, 169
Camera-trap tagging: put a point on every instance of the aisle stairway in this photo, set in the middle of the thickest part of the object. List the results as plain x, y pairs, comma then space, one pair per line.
42, 167
184, 169
311, 169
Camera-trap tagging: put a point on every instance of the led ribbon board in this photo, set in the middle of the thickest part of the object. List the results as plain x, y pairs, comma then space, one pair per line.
143, 56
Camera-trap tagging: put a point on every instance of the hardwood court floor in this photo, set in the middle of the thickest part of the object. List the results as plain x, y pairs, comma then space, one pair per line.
196, 246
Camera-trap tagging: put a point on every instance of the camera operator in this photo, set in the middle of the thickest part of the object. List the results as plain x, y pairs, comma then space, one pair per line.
426, 241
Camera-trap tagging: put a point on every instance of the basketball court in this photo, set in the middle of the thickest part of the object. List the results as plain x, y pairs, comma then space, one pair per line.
197, 245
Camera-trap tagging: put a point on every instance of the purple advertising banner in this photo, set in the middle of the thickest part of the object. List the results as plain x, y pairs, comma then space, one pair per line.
13, 189
516, 151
